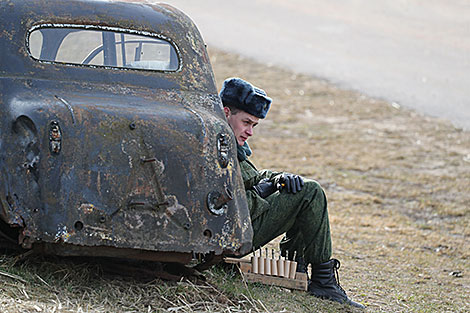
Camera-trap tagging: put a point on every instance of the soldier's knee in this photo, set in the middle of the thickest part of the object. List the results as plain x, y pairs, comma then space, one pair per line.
313, 190
312, 185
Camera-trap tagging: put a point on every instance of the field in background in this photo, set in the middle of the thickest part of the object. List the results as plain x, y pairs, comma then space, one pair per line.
398, 186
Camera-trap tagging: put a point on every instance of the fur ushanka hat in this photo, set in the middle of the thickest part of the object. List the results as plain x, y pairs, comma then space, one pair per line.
241, 94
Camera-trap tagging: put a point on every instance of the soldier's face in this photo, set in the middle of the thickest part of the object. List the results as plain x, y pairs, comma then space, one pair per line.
242, 124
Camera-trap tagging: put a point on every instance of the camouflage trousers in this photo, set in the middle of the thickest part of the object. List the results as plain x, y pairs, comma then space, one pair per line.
303, 217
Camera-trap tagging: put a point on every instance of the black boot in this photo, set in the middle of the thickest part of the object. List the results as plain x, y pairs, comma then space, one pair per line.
325, 285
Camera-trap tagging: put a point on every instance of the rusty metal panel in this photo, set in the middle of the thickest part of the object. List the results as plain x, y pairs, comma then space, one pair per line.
100, 157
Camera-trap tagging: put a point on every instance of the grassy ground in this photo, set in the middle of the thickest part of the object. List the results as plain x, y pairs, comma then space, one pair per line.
398, 185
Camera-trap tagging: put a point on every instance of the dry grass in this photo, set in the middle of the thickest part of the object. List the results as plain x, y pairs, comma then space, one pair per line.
66, 285
398, 185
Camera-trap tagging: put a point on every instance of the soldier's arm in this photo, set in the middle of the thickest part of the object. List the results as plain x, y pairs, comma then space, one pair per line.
269, 175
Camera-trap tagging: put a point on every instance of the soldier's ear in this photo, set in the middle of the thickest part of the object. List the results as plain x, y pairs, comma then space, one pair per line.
227, 111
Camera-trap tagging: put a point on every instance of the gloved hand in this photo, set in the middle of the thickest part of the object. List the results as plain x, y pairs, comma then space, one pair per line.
290, 182
265, 188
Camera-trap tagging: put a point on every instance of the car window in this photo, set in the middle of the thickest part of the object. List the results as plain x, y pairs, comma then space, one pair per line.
102, 47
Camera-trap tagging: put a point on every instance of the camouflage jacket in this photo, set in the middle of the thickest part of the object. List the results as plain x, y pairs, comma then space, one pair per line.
251, 176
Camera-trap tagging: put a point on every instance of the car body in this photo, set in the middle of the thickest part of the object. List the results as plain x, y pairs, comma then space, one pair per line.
113, 140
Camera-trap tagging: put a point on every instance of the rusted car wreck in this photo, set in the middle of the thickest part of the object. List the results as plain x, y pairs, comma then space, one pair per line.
113, 141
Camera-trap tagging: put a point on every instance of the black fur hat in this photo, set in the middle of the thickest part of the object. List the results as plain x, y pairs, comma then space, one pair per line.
241, 94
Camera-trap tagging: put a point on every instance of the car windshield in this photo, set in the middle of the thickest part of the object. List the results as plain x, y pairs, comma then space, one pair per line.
102, 47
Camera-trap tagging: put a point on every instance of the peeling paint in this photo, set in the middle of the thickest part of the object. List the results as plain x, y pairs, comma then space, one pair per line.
62, 234
87, 208
123, 143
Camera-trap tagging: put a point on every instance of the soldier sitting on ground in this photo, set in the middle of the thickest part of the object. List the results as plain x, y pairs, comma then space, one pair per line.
282, 202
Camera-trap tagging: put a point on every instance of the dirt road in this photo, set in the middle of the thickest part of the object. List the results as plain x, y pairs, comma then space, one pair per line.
412, 52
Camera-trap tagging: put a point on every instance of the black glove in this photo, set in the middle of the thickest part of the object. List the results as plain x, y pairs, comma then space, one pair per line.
290, 182
265, 188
